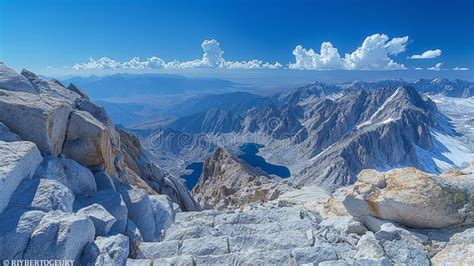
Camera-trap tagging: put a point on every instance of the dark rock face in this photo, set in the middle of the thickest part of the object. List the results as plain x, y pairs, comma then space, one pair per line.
379, 129
227, 182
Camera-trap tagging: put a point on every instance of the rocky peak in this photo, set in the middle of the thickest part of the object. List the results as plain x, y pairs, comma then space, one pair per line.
228, 182
11, 80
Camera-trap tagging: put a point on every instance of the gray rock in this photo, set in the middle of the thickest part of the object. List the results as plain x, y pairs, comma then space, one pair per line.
7, 135
250, 229
140, 211
52, 88
56, 89
155, 250
374, 262
18, 160
102, 219
99, 113
401, 246
344, 224
104, 181
76, 177
42, 194
411, 198
16, 226
60, 235
333, 263
178, 232
313, 255
458, 251
75, 89
135, 238
276, 257
11, 80
283, 240
176, 261
88, 142
344, 251
112, 201
205, 246
113, 250
197, 221
174, 186
48, 115
369, 248
163, 211
284, 214
139, 262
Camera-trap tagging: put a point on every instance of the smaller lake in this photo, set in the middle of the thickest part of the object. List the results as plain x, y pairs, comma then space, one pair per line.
250, 156
193, 178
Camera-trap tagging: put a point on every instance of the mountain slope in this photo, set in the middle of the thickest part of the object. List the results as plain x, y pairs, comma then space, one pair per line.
385, 130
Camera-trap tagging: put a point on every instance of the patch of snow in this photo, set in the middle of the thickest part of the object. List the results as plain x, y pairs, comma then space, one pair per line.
380, 109
448, 153
388, 120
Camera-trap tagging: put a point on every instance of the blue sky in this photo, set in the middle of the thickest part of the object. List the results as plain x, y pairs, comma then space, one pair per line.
62, 34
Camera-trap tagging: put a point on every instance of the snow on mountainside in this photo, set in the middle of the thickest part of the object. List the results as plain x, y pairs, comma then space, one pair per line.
327, 141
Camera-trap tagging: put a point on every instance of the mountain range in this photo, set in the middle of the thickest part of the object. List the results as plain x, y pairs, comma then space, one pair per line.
326, 134
128, 85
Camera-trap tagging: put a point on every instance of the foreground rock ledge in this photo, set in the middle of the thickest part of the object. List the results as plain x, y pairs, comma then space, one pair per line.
412, 198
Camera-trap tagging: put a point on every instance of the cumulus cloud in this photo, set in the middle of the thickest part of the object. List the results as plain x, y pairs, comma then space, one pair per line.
427, 54
213, 57
373, 54
437, 67
461, 68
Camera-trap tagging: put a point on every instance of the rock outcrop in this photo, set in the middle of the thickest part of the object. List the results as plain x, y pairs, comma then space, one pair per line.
12, 81
228, 182
412, 198
21, 110
88, 142
65, 186
18, 160
60, 235
140, 171
458, 251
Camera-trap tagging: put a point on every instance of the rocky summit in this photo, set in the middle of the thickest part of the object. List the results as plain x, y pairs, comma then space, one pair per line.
74, 186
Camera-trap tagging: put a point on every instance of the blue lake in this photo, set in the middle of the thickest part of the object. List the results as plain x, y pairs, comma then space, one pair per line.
193, 178
250, 156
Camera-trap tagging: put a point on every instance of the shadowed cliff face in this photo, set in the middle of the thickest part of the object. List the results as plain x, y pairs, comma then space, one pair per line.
228, 182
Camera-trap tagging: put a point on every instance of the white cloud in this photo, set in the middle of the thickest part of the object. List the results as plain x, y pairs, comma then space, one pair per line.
437, 67
418, 68
213, 57
461, 68
427, 54
373, 54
